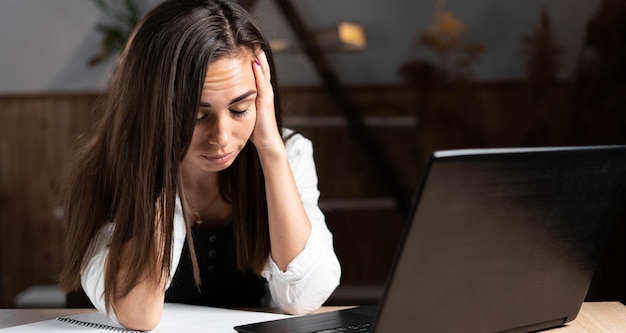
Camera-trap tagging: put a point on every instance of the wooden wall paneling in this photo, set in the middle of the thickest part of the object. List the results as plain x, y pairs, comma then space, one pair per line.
7, 237
365, 242
366, 238
343, 167
36, 138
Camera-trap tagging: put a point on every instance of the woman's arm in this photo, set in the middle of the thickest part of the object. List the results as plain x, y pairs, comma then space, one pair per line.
303, 269
142, 308
289, 225
314, 273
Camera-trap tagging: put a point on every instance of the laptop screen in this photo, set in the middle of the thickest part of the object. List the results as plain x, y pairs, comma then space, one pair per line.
505, 238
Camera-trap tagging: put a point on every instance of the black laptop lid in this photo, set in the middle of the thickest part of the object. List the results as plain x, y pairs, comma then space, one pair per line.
504, 240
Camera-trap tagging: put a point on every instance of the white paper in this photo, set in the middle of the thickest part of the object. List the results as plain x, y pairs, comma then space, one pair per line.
176, 318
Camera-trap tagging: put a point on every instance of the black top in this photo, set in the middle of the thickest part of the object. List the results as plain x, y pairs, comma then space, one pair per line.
223, 285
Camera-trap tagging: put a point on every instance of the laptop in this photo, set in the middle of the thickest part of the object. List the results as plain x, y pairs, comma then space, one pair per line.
498, 240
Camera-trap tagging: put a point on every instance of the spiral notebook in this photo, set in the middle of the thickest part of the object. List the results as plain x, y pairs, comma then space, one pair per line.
176, 318
93, 320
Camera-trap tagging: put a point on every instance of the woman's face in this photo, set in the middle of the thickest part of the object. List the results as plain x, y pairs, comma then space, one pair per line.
227, 114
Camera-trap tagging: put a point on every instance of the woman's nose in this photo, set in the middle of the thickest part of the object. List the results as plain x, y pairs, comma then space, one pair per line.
220, 131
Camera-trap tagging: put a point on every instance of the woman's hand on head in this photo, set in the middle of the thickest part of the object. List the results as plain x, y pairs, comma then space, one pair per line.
266, 134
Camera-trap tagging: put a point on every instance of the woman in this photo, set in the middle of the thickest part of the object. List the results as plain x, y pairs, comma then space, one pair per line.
186, 192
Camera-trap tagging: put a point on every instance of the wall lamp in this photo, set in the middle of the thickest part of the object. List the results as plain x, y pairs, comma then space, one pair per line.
344, 37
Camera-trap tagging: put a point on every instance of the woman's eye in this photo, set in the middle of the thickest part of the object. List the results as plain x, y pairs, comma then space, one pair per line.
238, 113
201, 116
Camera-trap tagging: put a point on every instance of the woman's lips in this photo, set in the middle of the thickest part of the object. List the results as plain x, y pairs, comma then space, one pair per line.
220, 159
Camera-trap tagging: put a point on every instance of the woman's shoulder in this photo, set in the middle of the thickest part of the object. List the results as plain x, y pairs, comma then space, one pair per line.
294, 138
297, 144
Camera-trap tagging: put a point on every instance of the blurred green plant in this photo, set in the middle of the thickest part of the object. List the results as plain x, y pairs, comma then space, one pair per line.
121, 20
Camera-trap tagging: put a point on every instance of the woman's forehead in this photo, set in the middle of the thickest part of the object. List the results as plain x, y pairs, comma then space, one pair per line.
227, 77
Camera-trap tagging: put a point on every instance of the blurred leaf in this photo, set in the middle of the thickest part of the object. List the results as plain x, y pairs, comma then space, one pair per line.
446, 23
116, 33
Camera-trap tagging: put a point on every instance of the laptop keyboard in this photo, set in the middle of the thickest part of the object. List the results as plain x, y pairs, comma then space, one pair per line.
351, 328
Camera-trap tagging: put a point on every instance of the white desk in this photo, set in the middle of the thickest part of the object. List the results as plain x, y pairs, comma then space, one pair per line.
593, 317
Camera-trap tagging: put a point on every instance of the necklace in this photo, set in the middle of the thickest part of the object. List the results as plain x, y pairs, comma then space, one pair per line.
197, 215
195, 212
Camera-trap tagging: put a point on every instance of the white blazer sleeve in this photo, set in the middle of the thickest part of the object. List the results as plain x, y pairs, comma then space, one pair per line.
314, 273
92, 274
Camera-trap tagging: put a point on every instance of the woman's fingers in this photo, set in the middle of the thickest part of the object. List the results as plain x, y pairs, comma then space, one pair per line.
261, 60
266, 131
262, 74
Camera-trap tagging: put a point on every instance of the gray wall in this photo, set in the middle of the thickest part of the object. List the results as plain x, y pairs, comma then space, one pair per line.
45, 45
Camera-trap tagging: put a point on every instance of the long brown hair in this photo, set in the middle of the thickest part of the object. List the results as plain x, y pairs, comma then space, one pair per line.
128, 172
